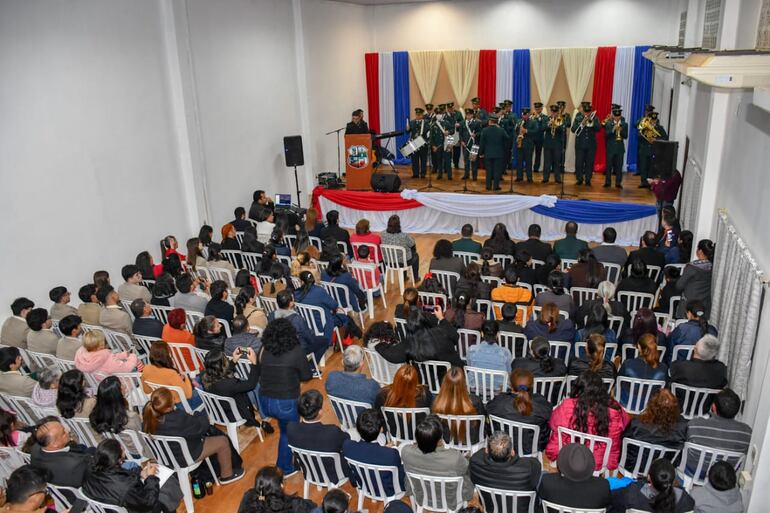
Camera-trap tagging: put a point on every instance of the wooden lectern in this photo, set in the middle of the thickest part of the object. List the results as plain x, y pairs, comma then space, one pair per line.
359, 162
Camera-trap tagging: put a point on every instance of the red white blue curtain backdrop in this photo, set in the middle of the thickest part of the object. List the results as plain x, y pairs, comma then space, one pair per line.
621, 75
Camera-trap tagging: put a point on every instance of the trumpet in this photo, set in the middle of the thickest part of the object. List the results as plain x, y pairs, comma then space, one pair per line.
617, 128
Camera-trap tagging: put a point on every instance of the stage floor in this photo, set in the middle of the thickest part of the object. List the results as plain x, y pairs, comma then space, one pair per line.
629, 194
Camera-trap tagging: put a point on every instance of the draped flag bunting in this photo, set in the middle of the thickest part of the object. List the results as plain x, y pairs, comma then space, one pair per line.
425, 66
601, 98
387, 114
461, 67
401, 99
545, 66
487, 78
623, 79
521, 73
642, 92
504, 76
373, 90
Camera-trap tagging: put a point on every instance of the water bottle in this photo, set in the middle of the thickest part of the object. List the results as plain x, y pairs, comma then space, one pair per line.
198, 491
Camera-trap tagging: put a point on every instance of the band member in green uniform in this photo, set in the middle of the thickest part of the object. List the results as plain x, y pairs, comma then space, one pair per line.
481, 114
470, 134
525, 144
457, 116
419, 127
537, 137
585, 128
615, 132
650, 131
553, 136
492, 148
567, 122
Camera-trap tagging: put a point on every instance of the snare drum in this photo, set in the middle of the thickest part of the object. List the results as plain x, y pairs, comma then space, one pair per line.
473, 153
412, 146
451, 140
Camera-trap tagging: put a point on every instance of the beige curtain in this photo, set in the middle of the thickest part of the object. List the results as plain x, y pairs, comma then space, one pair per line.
425, 66
461, 67
545, 65
578, 67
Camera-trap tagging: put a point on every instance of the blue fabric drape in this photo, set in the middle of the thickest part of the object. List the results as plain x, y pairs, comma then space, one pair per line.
521, 96
596, 212
640, 96
401, 100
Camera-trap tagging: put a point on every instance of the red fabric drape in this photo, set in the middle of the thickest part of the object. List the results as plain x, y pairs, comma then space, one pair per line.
487, 79
373, 90
604, 72
363, 200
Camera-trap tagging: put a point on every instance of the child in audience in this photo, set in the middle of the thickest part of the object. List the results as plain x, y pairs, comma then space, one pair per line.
364, 257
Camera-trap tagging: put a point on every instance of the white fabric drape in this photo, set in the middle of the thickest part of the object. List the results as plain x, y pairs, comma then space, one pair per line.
461, 66
387, 94
579, 66
623, 82
545, 64
736, 289
425, 66
477, 205
427, 220
504, 76
690, 194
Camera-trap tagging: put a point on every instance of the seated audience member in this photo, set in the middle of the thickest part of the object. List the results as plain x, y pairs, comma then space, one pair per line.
11, 434
549, 324
425, 342
604, 294
337, 233
462, 315
26, 490
205, 237
229, 239
242, 278
69, 343
523, 405
570, 245
412, 301
309, 342
540, 362
163, 291
112, 316
89, 308
658, 492
363, 235
176, 332
521, 262
488, 354
41, 338
209, 334
101, 278
498, 466
589, 409
670, 276
466, 243
695, 281
169, 245
303, 262
250, 243
587, 272
265, 226
311, 294
371, 280
268, 495
13, 382
112, 414
161, 418
393, 236
574, 485
381, 336
536, 248
60, 297
499, 241
145, 325
241, 337
443, 260
647, 365
720, 430
609, 252
277, 280
261, 205
720, 493
430, 458
593, 359
696, 327
405, 391
508, 322
336, 272
73, 400
278, 242
54, 451
598, 323
47, 388
147, 266
329, 248
644, 322
218, 377
703, 370
186, 296
98, 360
637, 280
163, 371
309, 433
552, 263
510, 292
172, 265
647, 251
351, 383
677, 252
471, 284
132, 288
660, 423
370, 426
218, 305
313, 226
454, 399
488, 266
557, 294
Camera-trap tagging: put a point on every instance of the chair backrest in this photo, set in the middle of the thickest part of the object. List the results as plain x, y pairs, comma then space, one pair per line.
185, 358
673, 304
567, 263
401, 423
10, 459
525, 436
662, 319
551, 388
125, 303
81, 427
381, 370
514, 342
591, 441
436, 492
466, 256
315, 317
394, 257
646, 453
694, 401
493, 281
269, 304
90, 327
118, 342
217, 273
485, 306
340, 293
431, 373
42, 360
537, 288
374, 252
128, 449
370, 480
635, 300
62, 495
163, 449
401, 329
433, 298
534, 263
191, 318
495, 500
26, 411
637, 392
465, 339
552, 507
313, 465
486, 383
447, 279
133, 390
653, 271
232, 256
364, 274
315, 241
239, 238
179, 393
536, 309
628, 351
582, 294
681, 352
610, 350
251, 260
697, 459
608, 382
321, 265
347, 411
614, 272
616, 323
161, 312
221, 409
503, 260
560, 349
471, 434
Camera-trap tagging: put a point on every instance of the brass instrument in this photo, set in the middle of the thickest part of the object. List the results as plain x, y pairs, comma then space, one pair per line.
555, 123
520, 136
648, 130
587, 121
617, 127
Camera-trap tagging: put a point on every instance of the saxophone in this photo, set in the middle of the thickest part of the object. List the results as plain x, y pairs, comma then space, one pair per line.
520, 136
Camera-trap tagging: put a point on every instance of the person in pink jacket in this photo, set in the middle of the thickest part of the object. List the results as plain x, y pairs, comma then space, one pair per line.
96, 359
589, 409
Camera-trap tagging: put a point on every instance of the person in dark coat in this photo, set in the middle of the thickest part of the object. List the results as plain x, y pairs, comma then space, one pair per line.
145, 325
336, 272
703, 370
658, 492
695, 281
574, 485
333, 231
428, 343
443, 260
536, 248
550, 325
218, 305
647, 251
333, 316
370, 426
357, 125
499, 241
637, 279
218, 377
268, 495
209, 334
381, 336
688, 333
53, 451
308, 340
540, 362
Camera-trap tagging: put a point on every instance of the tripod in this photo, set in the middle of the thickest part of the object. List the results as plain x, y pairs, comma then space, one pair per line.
430, 179
563, 194
339, 164
466, 154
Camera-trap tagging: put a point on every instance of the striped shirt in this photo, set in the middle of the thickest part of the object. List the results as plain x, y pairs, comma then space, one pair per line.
719, 433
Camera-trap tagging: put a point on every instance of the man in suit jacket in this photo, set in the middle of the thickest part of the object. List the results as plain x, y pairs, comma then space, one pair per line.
609, 252
569, 246
575, 485
41, 339
133, 288
498, 466
54, 452
429, 457
12, 382
492, 147
536, 248
370, 425
112, 316
704, 370
466, 243
15, 328
647, 251
310, 434
333, 231
145, 324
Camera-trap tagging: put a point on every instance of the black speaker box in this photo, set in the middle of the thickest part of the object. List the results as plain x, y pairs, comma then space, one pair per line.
292, 150
663, 160
385, 182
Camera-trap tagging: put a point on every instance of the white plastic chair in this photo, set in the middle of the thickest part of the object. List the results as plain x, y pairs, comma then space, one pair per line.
118, 342
466, 256
220, 409
537, 288
435, 492
42, 360
81, 426
239, 238
536, 309
341, 295
608, 382
534, 263
394, 258
131, 382
513, 341
465, 339
447, 279
525, 437
269, 304
232, 256
182, 398
312, 464
694, 402
191, 318
614, 272
636, 300
365, 273
26, 411
401, 423
616, 323
503, 260
591, 442
637, 391
653, 271
705, 457
567, 263
551, 388
347, 411
63, 496
10, 459
185, 358
552, 507
251, 261
144, 344
161, 312
431, 375
628, 351
381, 370
582, 294
370, 482
486, 383
581, 348
495, 500
316, 241
401, 329
374, 253
218, 273
136, 446
470, 429
433, 299
559, 349
681, 352
493, 281
646, 453
102, 507
315, 318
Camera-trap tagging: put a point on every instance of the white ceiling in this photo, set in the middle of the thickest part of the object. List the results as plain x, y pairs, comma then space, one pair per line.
382, 2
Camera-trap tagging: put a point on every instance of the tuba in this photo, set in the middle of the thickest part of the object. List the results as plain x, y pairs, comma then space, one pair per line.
648, 130
555, 123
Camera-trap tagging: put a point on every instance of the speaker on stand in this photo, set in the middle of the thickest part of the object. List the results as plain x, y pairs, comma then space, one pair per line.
294, 156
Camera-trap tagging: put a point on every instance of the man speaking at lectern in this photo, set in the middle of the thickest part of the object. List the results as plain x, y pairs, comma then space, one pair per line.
357, 124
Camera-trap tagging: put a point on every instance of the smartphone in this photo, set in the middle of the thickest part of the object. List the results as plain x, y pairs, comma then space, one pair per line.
78, 506
244, 350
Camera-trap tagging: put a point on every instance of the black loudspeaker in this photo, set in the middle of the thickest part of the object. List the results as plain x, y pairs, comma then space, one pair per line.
663, 160
292, 151
385, 182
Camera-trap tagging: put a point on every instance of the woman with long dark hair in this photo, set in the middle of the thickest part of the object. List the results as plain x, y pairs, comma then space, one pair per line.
206, 237
550, 325
246, 305
163, 290
336, 272
551, 263
334, 316
279, 243
637, 279
111, 413
697, 325
695, 282
644, 322
72, 399
499, 241
597, 323
218, 377
268, 496
470, 283
10, 433
147, 266
381, 336
587, 272
412, 301
487, 265
250, 243
557, 293
195, 257
589, 409
462, 315
593, 360
444, 259
393, 236
657, 494
278, 281
540, 362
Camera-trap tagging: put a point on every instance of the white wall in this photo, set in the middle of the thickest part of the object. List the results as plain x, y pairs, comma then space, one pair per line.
88, 160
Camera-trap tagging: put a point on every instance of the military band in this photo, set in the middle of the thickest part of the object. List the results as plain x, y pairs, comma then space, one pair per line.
615, 134
419, 127
553, 144
492, 148
541, 119
524, 144
470, 135
585, 128
458, 119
